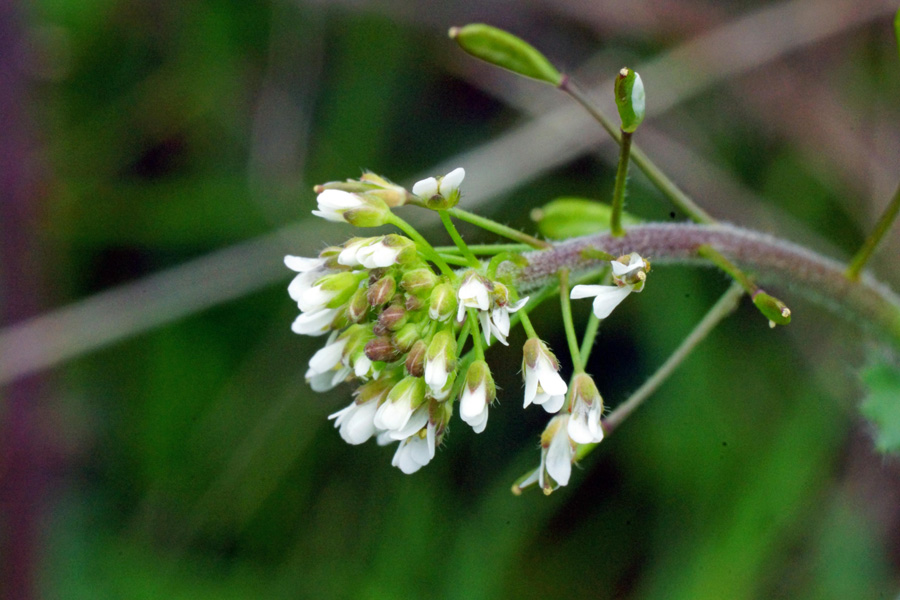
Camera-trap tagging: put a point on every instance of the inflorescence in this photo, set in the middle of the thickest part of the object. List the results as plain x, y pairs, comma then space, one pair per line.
409, 332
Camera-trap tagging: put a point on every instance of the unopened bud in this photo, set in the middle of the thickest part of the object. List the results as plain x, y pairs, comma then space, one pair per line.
442, 304
419, 282
358, 306
382, 291
414, 303
392, 318
415, 361
505, 50
381, 349
404, 338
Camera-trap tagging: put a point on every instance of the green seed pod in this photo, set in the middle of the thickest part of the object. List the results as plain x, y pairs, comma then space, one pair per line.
630, 99
506, 51
772, 308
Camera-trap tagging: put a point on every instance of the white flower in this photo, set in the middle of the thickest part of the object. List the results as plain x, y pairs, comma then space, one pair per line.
557, 453
629, 278
356, 422
472, 293
558, 458
333, 204
499, 321
446, 187
314, 323
440, 360
543, 384
416, 451
477, 394
310, 270
587, 411
323, 373
402, 401
373, 253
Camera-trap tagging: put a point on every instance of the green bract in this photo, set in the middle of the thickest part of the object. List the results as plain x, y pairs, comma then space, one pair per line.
566, 218
505, 50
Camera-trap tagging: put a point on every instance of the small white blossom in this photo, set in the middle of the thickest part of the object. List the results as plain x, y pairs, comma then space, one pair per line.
325, 368
314, 323
333, 204
543, 384
446, 187
374, 253
472, 293
402, 401
356, 422
477, 394
416, 451
629, 278
557, 454
499, 321
309, 271
587, 411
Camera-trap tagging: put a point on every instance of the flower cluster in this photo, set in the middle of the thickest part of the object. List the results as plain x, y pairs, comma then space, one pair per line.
398, 324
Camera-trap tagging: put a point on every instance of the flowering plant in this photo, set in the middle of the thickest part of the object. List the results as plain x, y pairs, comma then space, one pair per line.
409, 323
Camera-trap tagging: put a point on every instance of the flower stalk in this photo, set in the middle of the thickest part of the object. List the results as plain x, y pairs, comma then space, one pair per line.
884, 224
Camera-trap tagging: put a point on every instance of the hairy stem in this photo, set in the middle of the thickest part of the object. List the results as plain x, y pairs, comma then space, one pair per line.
618, 202
771, 260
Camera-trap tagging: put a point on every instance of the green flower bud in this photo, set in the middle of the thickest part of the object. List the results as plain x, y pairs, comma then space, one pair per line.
412, 387
414, 303
419, 282
382, 291
566, 218
505, 50
404, 338
772, 308
358, 306
341, 285
442, 304
629, 91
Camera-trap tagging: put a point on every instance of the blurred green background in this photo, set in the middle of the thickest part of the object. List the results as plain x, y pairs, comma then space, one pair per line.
160, 440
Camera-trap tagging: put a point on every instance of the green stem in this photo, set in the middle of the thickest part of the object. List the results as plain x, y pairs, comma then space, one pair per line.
476, 334
566, 307
486, 249
653, 173
619, 191
526, 324
457, 239
590, 335
716, 257
494, 227
423, 245
881, 228
721, 309
454, 259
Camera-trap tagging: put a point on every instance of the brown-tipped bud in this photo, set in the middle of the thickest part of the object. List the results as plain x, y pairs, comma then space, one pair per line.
442, 304
415, 361
381, 349
393, 317
405, 337
382, 291
392, 194
358, 306
419, 282
414, 303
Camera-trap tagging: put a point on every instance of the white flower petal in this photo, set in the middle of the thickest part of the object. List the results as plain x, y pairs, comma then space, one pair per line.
426, 188
314, 323
328, 357
552, 404
585, 291
472, 402
608, 298
551, 381
302, 264
416, 422
451, 181
531, 386
559, 457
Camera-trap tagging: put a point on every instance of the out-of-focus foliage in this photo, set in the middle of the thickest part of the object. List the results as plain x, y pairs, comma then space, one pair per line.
882, 404
196, 462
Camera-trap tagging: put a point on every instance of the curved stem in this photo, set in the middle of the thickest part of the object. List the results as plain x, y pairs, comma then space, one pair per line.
770, 259
499, 229
457, 239
423, 245
566, 307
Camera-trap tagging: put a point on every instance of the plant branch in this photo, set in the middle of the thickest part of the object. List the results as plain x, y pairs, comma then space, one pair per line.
868, 247
499, 229
771, 260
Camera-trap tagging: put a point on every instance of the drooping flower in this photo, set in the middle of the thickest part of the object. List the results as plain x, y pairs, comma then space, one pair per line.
587, 411
629, 277
325, 368
557, 454
359, 209
477, 394
501, 308
440, 360
543, 384
416, 451
402, 401
357, 421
